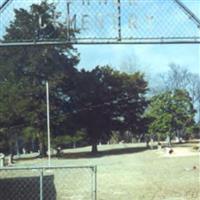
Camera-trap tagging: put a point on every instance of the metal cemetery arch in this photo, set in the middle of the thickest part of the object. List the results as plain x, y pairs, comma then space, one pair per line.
108, 22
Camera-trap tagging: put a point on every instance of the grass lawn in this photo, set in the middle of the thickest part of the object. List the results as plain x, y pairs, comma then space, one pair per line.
131, 172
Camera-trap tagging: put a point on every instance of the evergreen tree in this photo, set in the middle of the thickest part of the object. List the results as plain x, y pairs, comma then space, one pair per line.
32, 66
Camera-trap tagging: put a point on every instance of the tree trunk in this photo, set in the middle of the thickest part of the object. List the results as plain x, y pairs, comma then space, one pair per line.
17, 147
147, 141
168, 140
12, 153
42, 146
74, 144
94, 148
43, 149
178, 135
147, 144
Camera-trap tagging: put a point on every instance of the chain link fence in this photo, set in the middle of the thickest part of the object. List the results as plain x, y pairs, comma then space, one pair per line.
90, 21
54, 183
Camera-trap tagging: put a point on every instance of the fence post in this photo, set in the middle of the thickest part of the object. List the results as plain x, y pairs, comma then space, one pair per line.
94, 183
41, 184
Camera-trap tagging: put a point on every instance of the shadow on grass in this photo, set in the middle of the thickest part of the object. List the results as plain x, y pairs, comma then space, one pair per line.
109, 152
101, 153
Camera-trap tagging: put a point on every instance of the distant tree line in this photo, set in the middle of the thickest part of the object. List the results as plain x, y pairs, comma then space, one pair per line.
86, 107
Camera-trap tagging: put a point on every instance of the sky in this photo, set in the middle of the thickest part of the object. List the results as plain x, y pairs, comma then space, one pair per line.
152, 59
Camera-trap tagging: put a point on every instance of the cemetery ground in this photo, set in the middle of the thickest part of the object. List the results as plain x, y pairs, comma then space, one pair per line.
132, 172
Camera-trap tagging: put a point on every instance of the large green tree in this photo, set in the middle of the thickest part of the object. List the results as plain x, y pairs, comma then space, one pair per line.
171, 114
32, 66
106, 100
12, 114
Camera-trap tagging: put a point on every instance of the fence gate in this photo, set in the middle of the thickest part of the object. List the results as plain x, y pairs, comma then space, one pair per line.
54, 183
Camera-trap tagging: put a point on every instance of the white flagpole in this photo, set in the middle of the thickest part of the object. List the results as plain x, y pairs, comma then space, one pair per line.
48, 124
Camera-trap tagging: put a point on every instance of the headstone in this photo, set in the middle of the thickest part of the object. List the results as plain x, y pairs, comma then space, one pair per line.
159, 146
168, 141
10, 160
151, 143
24, 151
177, 139
2, 159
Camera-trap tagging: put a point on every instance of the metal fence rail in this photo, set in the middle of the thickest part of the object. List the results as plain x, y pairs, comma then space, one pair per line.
48, 183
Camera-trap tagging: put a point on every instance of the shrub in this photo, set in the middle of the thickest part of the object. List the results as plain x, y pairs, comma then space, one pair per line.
196, 148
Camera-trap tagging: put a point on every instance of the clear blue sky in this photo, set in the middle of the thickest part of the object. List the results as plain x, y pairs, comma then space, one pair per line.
153, 59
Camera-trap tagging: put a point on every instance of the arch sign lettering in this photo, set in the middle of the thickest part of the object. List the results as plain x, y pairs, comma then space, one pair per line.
102, 22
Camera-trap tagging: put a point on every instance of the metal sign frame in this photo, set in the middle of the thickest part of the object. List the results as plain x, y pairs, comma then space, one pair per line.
119, 39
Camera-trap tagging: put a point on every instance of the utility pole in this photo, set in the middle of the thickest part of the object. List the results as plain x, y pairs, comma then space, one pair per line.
48, 124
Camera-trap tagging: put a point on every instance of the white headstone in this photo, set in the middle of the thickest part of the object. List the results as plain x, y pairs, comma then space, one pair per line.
2, 158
